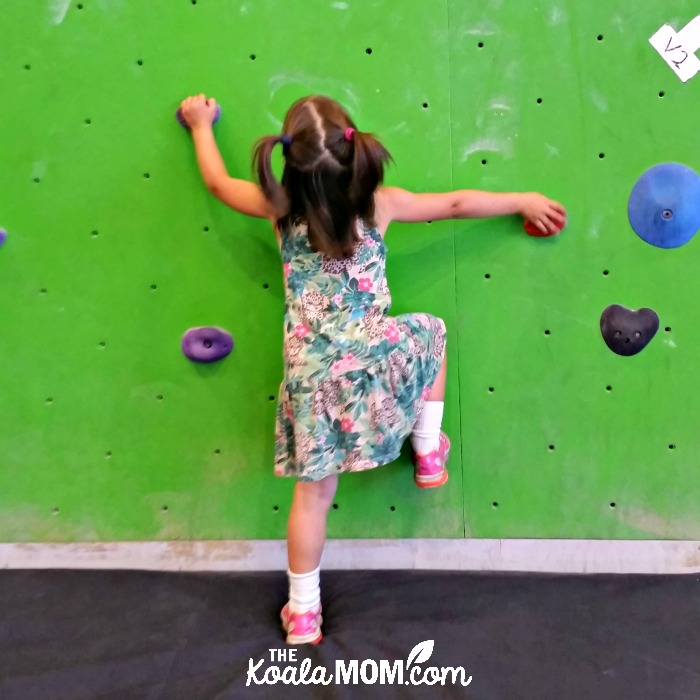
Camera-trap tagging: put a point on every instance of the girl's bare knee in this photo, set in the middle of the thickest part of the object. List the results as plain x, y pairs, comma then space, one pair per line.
328, 487
317, 493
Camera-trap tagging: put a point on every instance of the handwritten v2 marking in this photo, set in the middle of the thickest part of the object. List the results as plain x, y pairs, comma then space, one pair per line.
679, 49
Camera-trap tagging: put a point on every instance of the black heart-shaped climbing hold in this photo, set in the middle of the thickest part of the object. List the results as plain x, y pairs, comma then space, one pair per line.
628, 332
206, 344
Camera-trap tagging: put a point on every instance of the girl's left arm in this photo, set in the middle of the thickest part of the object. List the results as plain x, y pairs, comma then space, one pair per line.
243, 196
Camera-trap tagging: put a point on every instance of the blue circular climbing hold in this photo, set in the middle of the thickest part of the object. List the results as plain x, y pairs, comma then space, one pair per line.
207, 344
664, 207
3, 235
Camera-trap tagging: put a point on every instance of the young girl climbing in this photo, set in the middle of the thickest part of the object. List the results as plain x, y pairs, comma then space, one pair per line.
357, 381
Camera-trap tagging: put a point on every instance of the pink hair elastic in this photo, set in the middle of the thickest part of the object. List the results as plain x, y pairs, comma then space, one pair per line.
348, 133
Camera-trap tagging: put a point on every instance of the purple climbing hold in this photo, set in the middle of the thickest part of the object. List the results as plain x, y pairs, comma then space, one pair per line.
206, 344
3, 235
181, 119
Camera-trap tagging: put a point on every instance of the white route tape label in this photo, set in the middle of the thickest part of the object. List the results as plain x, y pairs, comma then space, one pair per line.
679, 49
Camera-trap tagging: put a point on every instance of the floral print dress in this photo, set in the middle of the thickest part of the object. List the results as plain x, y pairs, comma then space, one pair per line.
355, 378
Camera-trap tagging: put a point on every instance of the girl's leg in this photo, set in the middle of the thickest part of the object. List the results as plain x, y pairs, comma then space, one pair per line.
306, 537
437, 391
426, 432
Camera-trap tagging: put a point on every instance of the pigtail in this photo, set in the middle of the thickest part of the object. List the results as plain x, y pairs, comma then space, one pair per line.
367, 169
262, 164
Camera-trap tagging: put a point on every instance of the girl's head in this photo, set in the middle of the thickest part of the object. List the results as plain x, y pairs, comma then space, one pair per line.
331, 172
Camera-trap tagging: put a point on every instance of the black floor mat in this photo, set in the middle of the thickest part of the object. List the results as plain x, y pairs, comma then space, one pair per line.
78, 635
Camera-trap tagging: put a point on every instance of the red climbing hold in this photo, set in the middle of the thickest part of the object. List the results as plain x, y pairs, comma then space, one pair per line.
532, 230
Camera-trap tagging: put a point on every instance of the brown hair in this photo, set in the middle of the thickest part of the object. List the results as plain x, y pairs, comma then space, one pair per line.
328, 181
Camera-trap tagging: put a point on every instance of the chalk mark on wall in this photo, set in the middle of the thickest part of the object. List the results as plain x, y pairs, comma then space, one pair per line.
58, 9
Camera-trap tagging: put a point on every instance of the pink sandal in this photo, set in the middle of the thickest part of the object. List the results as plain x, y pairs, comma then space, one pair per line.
302, 628
430, 471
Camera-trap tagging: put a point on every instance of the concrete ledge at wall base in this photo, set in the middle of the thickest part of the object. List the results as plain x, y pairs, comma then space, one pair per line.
532, 556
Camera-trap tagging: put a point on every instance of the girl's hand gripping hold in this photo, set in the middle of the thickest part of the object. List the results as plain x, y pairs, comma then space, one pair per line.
543, 216
199, 111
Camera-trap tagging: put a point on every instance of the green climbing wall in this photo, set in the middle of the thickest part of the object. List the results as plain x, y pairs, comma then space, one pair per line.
115, 248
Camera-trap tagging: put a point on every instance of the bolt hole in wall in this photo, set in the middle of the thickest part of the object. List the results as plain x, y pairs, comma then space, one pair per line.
56, 511
368, 51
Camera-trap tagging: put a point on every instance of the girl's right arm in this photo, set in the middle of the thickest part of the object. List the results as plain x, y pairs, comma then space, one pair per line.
395, 204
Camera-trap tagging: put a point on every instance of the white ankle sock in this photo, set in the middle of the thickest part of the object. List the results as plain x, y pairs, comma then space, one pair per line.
426, 432
304, 591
